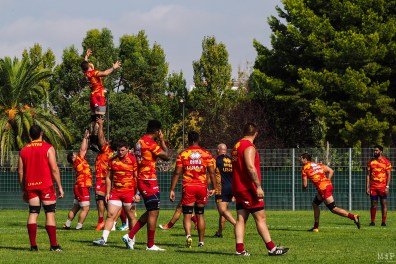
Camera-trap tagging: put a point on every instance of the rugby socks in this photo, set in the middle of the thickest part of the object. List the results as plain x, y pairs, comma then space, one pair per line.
51, 230
170, 224
270, 245
383, 218
240, 247
194, 219
150, 238
316, 225
79, 226
100, 219
105, 235
135, 229
68, 223
32, 231
123, 216
351, 216
373, 212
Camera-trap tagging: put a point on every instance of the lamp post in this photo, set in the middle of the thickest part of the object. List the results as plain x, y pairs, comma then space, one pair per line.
183, 105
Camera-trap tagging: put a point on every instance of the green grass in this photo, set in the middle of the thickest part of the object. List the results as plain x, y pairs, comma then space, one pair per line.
337, 242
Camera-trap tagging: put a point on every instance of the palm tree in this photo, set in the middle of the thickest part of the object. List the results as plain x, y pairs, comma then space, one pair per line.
22, 98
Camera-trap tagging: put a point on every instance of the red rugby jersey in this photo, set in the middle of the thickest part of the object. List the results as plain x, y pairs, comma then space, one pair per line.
83, 172
122, 170
241, 180
147, 151
194, 161
378, 169
97, 87
315, 172
36, 170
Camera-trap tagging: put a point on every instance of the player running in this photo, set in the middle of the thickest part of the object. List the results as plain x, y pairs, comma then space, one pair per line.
223, 188
37, 169
147, 151
120, 189
248, 193
320, 175
377, 183
81, 186
193, 163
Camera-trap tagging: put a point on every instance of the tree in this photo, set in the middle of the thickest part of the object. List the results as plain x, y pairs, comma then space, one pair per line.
329, 71
21, 98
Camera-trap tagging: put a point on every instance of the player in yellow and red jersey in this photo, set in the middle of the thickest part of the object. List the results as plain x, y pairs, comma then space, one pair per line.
193, 163
98, 98
320, 175
377, 183
120, 188
82, 184
147, 151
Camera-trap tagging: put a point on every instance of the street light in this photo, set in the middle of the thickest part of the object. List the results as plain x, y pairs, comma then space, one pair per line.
183, 104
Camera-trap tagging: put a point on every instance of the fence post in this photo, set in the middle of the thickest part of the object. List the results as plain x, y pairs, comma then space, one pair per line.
293, 180
350, 179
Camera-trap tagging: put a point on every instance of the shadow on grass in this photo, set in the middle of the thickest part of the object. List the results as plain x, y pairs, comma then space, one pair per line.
186, 251
16, 248
290, 229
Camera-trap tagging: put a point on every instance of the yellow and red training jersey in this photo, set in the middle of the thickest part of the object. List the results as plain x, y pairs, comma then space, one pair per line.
102, 162
316, 173
97, 88
83, 172
147, 151
378, 170
123, 170
194, 161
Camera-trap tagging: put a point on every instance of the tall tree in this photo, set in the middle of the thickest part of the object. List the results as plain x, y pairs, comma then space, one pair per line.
21, 105
328, 73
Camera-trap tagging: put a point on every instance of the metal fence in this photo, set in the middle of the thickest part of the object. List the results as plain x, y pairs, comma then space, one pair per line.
280, 168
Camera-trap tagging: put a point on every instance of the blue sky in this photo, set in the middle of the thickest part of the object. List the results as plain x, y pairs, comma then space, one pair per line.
177, 25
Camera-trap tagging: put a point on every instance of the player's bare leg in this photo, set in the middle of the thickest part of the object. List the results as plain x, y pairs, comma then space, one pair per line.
82, 216
199, 212
187, 229
101, 208
221, 223
112, 214
174, 219
341, 212
34, 204
373, 211
70, 216
315, 206
239, 230
130, 211
222, 207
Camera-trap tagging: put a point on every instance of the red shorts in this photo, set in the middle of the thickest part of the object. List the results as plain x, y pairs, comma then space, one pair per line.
97, 100
148, 188
378, 192
327, 192
194, 194
125, 196
47, 194
81, 194
248, 200
100, 187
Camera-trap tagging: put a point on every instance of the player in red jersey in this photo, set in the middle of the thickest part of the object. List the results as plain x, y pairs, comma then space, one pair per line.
147, 151
120, 189
98, 98
101, 171
377, 183
248, 193
223, 188
193, 163
37, 168
320, 175
82, 184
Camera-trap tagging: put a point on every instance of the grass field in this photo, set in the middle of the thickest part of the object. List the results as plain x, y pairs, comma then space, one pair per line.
338, 241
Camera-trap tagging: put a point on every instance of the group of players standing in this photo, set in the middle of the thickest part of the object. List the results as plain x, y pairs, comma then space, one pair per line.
123, 176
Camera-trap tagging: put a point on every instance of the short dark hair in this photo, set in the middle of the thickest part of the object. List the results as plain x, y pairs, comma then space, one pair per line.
306, 156
70, 157
35, 132
192, 137
249, 129
153, 126
379, 147
122, 143
85, 66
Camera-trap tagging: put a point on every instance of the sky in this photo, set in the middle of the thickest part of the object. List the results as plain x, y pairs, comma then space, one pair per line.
179, 26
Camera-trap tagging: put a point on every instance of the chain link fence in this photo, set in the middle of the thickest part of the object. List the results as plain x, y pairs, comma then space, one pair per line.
280, 169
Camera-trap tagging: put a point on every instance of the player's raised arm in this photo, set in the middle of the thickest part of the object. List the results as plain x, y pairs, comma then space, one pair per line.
101, 136
115, 66
84, 144
164, 154
87, 54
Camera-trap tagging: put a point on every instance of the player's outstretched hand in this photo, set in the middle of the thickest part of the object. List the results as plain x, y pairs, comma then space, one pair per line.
61, 193
211, 192
116, 65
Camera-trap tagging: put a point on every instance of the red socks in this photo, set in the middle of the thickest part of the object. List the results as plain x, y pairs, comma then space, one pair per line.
100, 220
170, 224
351, 216
316, 225
373, 211
150, 238
51, 230
135, 229
32, 231
270, 245
240, 247
194, 218
123, 216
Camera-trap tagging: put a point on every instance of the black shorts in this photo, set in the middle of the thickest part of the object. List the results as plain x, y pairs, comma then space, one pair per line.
152, 202
223, 197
